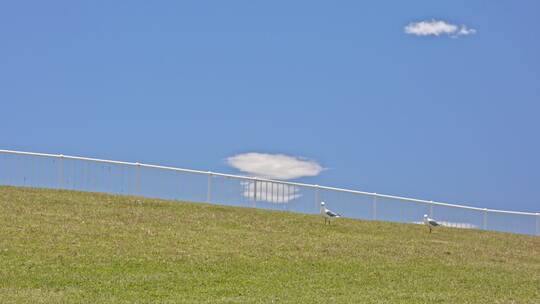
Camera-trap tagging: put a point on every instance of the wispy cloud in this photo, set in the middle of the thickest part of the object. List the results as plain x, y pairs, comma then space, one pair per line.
274, 166
437, 28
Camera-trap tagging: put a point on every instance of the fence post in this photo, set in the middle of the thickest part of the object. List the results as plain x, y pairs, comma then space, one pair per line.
538, 224
60, 172
374, 206
254, 192
317, 197
209, 190
485, 218
137, 169
431, 209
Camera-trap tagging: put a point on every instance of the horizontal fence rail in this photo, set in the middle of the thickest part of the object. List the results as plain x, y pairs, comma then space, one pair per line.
40, 170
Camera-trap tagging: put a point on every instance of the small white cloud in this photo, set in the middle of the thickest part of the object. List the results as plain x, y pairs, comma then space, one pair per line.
274, 166
437, 28
466, 31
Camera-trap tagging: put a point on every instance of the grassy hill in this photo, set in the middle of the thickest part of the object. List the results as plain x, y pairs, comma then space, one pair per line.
73, 247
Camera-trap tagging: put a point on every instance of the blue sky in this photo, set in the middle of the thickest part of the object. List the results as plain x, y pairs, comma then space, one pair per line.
192, 83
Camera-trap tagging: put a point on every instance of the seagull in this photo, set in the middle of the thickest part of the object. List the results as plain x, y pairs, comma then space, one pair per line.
328, 214
431, 223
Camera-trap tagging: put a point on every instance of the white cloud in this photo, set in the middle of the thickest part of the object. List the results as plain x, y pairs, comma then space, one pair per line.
274, 166
466, 31
437, 28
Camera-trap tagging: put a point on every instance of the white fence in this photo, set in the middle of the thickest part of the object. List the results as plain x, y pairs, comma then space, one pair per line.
41, 170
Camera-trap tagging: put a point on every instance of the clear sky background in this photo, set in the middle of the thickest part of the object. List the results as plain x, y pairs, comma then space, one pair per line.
191, 83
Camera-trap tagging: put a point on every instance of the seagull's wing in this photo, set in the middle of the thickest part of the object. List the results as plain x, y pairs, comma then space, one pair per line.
433, 223
331, 214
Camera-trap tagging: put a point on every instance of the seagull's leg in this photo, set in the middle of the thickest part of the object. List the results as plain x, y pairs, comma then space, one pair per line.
429, 229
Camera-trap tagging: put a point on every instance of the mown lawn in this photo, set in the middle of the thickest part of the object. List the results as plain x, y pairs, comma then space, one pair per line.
73, 247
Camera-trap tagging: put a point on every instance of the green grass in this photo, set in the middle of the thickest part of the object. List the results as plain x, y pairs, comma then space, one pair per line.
73, 247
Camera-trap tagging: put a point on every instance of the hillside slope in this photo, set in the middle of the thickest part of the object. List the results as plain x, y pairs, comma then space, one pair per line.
73, 247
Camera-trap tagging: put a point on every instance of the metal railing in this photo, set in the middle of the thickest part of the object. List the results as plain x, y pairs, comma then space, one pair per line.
40, 170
